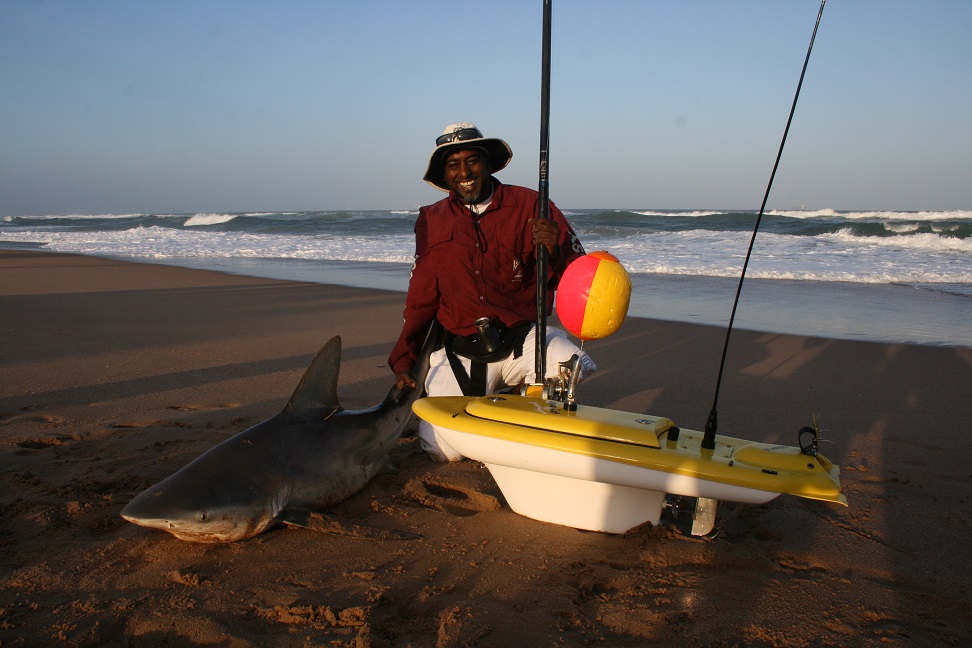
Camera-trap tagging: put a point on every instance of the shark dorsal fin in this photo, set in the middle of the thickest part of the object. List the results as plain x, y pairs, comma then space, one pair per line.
318, 388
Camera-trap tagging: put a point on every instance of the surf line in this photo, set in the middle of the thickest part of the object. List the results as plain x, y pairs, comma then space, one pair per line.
711, 424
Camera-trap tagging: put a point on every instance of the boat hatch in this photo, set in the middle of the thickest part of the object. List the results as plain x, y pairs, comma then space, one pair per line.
592, 422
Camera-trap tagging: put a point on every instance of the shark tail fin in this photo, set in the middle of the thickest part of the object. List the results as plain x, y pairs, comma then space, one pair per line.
434, 339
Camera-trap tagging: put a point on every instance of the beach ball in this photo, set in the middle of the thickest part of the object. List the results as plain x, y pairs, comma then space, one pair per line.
593, 296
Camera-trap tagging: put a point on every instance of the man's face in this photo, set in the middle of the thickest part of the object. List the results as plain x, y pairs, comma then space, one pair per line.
467, 174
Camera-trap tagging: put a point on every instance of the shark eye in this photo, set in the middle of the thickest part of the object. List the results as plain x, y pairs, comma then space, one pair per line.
203, 517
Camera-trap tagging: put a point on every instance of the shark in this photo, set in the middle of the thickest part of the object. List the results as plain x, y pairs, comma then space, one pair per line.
310, 456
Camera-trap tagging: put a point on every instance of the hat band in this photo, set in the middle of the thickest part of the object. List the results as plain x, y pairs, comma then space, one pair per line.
460, 135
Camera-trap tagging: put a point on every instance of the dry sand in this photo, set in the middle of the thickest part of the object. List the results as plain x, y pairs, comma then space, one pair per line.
114, 375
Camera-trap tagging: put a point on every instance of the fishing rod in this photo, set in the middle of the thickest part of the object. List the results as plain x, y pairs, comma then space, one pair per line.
543, 205
711, 424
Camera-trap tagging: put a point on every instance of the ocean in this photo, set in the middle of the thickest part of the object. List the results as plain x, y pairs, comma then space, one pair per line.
888, 276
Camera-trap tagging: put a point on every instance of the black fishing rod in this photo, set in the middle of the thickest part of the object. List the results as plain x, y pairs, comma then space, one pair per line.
711, 424
543, 206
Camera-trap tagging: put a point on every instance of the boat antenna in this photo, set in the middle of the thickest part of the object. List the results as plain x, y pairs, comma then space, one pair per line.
711, 424
543, 204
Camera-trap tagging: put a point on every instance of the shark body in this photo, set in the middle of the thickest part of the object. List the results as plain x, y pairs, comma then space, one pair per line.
310, 456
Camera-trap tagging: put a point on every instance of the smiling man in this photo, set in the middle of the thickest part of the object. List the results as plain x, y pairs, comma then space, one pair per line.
475, 272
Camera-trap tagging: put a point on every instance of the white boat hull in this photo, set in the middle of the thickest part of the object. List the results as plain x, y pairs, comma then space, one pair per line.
586, 492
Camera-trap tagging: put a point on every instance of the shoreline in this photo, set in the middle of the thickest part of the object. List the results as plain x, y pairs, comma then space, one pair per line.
115, 374
886, 313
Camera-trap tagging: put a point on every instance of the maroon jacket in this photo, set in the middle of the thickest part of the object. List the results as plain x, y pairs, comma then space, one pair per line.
468, 267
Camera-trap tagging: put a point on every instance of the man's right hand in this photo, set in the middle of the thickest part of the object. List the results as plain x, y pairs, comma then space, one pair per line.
404, 380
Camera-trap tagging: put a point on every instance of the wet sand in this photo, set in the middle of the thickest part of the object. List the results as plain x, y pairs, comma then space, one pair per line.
114, 375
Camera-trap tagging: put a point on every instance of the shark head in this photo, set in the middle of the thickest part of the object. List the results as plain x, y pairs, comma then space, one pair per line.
223, 496
208, 524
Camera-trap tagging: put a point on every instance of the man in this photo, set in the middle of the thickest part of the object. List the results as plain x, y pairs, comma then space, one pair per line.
475, 272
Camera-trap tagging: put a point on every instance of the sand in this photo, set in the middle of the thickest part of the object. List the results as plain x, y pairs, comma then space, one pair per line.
114, 375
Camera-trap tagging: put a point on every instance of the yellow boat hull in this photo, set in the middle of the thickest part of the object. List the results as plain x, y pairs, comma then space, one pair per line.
607, 470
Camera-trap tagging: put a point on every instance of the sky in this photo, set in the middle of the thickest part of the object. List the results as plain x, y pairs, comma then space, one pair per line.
241, 105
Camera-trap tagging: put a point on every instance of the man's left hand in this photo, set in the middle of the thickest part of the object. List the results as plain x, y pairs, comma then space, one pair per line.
547, 234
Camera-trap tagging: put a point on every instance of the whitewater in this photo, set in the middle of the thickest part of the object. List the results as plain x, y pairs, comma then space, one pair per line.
690, 260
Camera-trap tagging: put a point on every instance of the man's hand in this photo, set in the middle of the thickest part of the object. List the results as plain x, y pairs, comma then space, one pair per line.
547, 234
404, 380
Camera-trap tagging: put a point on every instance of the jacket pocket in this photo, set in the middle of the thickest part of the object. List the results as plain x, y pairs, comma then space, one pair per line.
514, 270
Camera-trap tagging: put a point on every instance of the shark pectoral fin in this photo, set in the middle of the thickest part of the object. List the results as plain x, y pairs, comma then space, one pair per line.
327, 524
388, 468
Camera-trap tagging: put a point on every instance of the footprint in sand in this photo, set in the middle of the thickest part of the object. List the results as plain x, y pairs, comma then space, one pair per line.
133, 424
189, 407
176, 423
787, 563
39, 444
28, 416
450, 498
155, 423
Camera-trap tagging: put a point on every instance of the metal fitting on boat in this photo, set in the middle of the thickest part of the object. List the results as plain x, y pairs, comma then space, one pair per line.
563, 387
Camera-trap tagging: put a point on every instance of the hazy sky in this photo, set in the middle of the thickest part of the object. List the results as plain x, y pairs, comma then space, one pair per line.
207, 106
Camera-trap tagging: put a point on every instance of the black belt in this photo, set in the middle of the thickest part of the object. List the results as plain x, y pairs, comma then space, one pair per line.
474, 347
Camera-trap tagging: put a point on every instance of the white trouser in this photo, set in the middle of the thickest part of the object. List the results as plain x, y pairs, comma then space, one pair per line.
510, 372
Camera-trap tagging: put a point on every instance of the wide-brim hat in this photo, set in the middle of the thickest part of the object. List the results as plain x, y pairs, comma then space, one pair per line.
464, 136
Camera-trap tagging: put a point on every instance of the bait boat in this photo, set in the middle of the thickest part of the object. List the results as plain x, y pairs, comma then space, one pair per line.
608, 470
